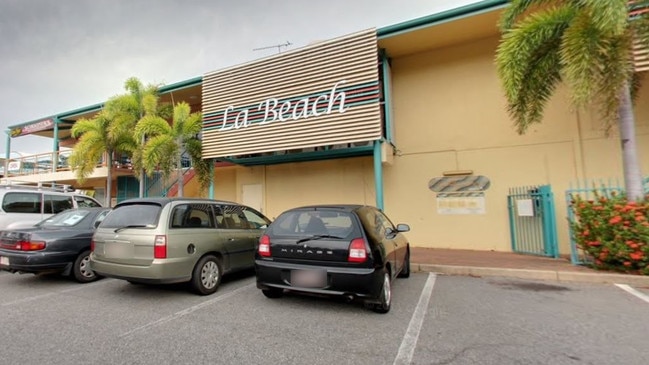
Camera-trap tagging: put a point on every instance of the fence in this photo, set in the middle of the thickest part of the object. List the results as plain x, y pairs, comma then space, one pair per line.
532, 220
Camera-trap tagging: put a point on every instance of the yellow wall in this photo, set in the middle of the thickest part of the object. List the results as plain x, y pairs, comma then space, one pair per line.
449, 114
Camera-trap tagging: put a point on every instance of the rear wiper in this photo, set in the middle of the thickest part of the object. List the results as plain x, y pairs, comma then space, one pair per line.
130, 226
317, 237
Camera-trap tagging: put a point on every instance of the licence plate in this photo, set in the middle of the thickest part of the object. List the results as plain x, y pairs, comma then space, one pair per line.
309, 278
4, 261
118, 250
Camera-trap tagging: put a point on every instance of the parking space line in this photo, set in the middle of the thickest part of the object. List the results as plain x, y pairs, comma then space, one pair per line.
409, 342
186, 311
634, 292
36, 297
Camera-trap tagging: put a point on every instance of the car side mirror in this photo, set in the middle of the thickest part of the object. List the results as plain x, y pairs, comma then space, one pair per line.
402, 227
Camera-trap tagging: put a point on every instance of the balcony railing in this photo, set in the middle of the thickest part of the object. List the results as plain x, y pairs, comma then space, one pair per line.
38, 164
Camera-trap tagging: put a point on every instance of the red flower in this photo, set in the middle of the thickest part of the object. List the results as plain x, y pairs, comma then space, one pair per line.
627, 263
636, 255
615, 220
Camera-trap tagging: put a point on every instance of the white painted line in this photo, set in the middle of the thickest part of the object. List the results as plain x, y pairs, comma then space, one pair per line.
186, 311
36, 297
409, 342
633, 291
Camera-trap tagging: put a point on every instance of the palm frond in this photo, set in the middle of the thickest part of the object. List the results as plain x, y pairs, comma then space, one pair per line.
608, 16
581, 56
151, 125
528, 63
518, 8
616, 73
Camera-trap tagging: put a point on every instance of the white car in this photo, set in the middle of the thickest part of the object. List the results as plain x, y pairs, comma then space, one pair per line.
23, 205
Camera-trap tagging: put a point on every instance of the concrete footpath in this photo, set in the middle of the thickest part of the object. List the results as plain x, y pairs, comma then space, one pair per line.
508, 264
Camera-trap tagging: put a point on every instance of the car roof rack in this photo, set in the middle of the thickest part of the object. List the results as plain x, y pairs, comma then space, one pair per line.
41, 185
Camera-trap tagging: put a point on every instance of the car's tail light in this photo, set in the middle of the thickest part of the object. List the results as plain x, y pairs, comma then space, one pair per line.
357, 251
92, 245
264, 246
160, 247
30, 245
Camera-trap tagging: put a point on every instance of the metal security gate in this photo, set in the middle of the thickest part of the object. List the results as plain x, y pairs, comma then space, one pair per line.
532, 221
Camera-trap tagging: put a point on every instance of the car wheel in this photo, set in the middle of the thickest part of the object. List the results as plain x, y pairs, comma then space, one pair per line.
81, 268
207, 275
273, 292
385, 299
405, 270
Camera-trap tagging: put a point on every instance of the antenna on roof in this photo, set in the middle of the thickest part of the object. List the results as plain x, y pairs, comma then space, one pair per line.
278, 46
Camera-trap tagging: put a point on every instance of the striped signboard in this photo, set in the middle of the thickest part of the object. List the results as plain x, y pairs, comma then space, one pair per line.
323, 94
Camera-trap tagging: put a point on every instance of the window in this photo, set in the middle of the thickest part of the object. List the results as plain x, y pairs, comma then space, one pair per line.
84, 201
138, 215
234, 218
192, 216
22, 203
57, 203
255, 219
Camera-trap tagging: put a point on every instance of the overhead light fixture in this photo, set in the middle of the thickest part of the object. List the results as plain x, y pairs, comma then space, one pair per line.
458, 173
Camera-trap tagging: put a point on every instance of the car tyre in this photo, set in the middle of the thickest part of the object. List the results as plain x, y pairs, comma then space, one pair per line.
206, 276
385, 299
81, 268
405, 270
273, 293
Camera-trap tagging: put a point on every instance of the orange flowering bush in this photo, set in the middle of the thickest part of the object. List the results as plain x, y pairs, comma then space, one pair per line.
613, 232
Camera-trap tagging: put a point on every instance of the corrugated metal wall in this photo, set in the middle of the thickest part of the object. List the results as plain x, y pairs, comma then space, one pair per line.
323, 94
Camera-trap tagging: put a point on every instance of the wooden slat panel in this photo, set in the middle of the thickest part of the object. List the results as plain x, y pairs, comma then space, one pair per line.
349, 62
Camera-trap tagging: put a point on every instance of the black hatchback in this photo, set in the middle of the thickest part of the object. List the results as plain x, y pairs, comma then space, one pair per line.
353, 251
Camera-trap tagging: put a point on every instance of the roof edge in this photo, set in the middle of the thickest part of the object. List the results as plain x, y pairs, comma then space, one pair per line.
96, 107
432, 19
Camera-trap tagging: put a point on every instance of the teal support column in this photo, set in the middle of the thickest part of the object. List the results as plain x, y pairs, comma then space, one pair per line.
378, 174
55, 147
211, 189
7, 153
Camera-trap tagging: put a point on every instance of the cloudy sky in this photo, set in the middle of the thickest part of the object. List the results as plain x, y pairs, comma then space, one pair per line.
60, 55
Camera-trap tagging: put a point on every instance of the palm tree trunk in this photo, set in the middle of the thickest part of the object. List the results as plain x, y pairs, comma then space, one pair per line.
630, 161
109, 179
181, 177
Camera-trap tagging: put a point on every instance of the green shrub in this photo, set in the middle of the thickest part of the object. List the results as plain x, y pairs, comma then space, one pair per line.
613, 232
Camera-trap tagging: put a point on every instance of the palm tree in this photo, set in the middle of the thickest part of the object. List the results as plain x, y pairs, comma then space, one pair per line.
127, 110
166, 143
95, 140
586, 44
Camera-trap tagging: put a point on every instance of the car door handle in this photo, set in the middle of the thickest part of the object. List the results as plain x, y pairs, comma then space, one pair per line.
230, 239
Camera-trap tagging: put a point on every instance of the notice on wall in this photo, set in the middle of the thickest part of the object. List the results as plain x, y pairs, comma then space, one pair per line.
525, 207
461, 204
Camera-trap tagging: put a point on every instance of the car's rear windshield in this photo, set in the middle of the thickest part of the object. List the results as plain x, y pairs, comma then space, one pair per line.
133, 215
314, 222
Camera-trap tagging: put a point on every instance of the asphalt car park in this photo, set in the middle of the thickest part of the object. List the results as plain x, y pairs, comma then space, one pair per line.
434, 319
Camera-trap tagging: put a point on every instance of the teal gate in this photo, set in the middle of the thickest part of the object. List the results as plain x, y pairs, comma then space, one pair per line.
532, 221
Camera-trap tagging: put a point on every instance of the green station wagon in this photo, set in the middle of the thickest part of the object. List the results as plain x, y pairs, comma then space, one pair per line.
173, 240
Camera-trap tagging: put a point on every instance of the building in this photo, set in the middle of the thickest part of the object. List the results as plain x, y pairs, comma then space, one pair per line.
410, 118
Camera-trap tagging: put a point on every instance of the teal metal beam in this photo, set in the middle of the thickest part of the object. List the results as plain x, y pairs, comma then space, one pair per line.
303, 156
211, 188
387, 95
55, 147
442, 17
378, 174
181, 85
7, 152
